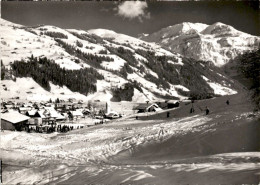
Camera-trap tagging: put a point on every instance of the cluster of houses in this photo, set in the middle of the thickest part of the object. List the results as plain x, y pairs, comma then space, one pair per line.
43, 116
62, 116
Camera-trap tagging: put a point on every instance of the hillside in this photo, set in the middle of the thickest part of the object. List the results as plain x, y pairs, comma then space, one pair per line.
218, 43
222, 147
122, 67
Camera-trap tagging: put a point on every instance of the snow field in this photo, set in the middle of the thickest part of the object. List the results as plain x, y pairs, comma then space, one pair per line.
218, 88
27, 87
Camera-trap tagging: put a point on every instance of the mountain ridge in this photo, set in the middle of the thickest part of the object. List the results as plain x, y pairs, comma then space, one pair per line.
152, 71
218, 43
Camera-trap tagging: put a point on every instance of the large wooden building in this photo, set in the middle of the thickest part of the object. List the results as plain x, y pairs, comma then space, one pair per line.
13, 121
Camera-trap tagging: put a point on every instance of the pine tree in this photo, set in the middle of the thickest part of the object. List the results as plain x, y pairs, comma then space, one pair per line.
2, 70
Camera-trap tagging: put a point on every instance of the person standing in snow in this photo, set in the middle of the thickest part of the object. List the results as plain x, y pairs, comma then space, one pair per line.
227, 102
168, 114
161, 132
192, 110
207, 110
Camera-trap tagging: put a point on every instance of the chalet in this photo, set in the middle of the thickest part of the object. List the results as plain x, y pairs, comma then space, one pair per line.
36, 106
31, 113
113, 115
40, 114
55, 115
49, 115
9, 106
168, 104
172, 104
72, 100
13, 121
150, 107
41, 117
23, 110
75, 114
80, 102
28, 105
86, 112
49, 105
59, 106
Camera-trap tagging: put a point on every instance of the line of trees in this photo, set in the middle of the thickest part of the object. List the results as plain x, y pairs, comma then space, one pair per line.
90, 38
125, 93
44, 71
249, 65
91, 59
55, 34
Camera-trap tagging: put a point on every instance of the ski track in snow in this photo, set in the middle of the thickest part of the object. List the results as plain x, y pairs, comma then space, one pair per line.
61, 156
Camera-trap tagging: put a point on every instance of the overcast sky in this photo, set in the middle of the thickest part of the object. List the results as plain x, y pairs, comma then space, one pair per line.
132, 18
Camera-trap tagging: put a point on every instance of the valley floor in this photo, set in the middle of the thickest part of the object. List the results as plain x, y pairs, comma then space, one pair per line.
220, 148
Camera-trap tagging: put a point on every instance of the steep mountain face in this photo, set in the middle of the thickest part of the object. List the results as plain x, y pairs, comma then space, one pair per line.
218, 42
44, 62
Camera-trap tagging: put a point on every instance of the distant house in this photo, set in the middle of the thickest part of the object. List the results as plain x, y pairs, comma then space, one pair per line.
150, 107
31, 113
36, 106
23, 110
40, 114
13, 121
86, 112
75, 114
172, 104
80, 102
72, 100
59, 106
56, 115
9, 106
113, 115
49, 115
168, 104
41, 117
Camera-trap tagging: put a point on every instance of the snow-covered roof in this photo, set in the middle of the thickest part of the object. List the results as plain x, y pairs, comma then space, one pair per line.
31, 112
41, 114
24, 108
14, 117
143, 106
76, 113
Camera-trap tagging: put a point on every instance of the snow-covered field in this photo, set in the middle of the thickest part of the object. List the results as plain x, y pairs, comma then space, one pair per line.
218, 88
27, 87
137, 151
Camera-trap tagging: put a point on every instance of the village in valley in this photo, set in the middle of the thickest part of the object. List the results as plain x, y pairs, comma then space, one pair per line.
62, 116
130, 92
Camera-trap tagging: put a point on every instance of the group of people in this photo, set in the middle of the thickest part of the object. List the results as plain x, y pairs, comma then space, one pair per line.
192, 110
51, 128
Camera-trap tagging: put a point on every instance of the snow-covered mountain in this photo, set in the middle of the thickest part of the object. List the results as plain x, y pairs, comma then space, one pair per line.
217, 42
118, 67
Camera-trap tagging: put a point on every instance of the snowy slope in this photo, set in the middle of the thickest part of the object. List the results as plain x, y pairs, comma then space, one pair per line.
217, 42
27, 88
133, 42
19, 42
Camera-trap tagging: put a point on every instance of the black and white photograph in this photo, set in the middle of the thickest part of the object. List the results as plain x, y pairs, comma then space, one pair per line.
130, 92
